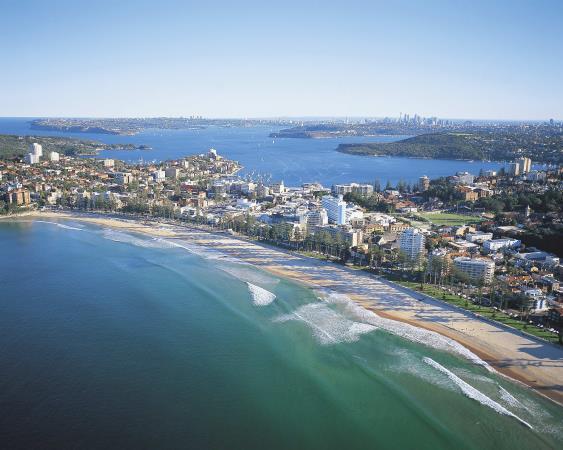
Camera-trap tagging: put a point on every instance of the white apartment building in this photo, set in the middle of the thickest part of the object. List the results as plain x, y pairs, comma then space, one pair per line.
411, 243
463, 178
343, 189
54, 156
36, 149
317, 218
478, 237
335, 209
477, 269
31, 158
109, 163
159, 175
494, 245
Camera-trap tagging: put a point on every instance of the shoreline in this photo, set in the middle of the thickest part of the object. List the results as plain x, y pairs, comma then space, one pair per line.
534, 364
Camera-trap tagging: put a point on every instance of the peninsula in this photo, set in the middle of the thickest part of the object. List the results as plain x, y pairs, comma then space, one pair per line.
545, 143
12, 146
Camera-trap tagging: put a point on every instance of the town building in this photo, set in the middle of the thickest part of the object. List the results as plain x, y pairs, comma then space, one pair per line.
411, 243
32, 158
335, 209
159, 175
172, 172
317, 218
494, 245
513, 169
36, 149
18, 197
478, 237
524, 165
123, 178
423, 183
54, 157
477, 269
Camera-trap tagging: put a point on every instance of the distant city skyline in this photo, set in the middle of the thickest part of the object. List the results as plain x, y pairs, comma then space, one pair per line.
473, 61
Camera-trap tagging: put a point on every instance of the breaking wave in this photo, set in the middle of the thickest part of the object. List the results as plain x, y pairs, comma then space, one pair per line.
401, 329
199, 250
328, 326
61, 225
126, 238
473, 393
260, 296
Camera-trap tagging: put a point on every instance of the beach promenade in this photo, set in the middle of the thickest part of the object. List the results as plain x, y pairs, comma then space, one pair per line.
535, 363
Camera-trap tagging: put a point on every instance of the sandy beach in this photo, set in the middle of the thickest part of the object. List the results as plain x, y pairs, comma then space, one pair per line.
534, 363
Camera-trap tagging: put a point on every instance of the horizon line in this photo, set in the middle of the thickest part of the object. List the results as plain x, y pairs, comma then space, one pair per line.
280, 117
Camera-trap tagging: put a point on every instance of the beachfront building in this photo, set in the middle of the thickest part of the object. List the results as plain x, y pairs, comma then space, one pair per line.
411, 243
109, 163
335, 209
317, 218
352, 238
477, 269
18, 197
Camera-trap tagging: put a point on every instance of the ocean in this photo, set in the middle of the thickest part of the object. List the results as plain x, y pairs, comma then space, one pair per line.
294, 161
115, 340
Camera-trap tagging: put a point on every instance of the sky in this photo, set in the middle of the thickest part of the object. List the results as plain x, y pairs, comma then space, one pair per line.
450, 59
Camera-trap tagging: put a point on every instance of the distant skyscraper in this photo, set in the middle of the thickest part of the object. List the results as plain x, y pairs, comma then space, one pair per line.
54, 156
525, 165
513, 169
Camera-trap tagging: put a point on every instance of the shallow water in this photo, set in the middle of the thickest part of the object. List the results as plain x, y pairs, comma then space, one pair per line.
115, 339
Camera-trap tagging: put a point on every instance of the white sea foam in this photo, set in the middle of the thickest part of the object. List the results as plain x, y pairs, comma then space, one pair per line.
473, 393
328, 326
61, 225
509, 398
249, 274
126, 238
404, 330
201, 251
260, 296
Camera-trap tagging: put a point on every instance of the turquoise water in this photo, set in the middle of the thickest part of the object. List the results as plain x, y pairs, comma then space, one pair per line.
295, 161
115, 340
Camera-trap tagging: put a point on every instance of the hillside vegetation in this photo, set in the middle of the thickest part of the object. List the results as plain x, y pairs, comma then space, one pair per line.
494, 146
12, 146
